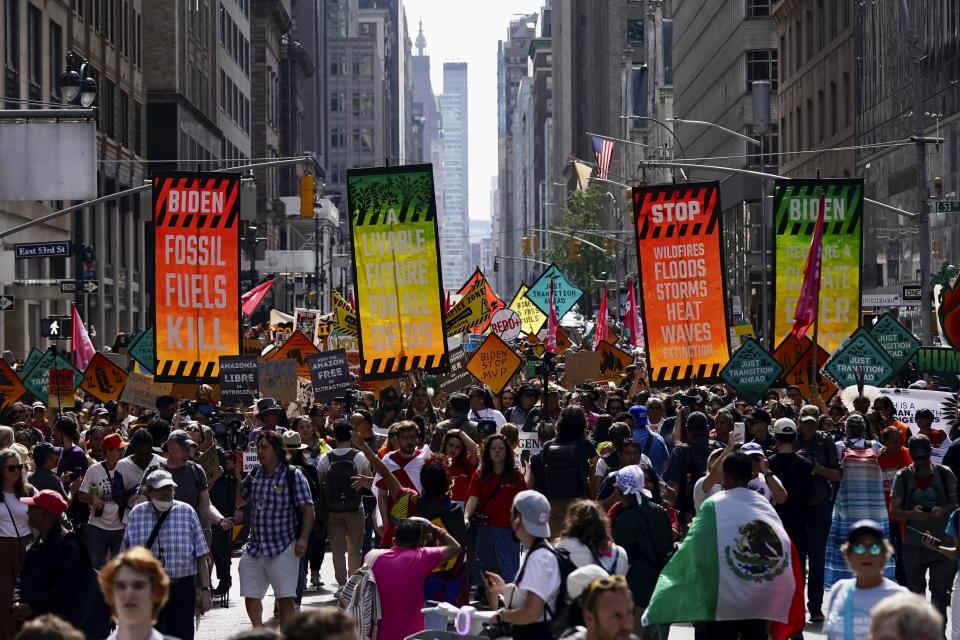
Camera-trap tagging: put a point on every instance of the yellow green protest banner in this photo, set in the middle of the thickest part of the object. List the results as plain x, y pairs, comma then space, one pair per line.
795, 206
531, 318
396, 267
344, 317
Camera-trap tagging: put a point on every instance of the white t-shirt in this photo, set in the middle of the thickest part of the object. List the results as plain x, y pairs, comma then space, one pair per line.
19, 525
541, 576
864, 600
97, 476
359, 461
488, 414
759, 484
132, 475
615, 563
700, 496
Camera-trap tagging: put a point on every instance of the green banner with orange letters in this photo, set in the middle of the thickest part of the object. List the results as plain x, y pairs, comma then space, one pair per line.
795, 207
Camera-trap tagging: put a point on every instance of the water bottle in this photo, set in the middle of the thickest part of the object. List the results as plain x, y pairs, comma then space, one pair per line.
95, 493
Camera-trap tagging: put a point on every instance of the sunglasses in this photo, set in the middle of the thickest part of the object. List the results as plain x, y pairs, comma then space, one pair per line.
874, 549
600, 585
14, 467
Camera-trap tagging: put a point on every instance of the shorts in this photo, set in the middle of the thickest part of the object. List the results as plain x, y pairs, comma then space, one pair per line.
281, 573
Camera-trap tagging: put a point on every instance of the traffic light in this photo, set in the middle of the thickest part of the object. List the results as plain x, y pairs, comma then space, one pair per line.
306, 196
496, 265
525, 246
609, 248
573, 250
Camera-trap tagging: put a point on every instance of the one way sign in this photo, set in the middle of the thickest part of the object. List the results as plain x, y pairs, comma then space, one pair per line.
7, 303
85, 286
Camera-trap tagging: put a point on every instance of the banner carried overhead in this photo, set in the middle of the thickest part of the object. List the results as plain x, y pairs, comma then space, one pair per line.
531, 318
492, 300
396, 267
196, 287
679, 234
795, 206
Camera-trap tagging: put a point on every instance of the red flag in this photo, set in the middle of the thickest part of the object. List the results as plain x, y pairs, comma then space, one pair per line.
631, 318
352, 300
83, 350
809, 301
251, 299
550, 342
600, 329
446, 303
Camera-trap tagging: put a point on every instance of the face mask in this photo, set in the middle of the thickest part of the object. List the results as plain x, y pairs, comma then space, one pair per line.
161, 505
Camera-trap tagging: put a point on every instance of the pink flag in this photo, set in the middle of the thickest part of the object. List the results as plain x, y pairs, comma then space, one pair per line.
351, 300
550, 342
82, 346
809, 301
631, 318
251, 299
600, 329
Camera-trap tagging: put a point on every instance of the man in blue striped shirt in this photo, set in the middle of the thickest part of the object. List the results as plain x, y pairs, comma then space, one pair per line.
180, 547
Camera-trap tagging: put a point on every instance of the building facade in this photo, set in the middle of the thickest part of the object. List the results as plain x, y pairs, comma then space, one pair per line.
35, 39
453, 187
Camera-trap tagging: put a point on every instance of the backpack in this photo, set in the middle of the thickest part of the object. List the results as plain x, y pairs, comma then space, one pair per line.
559, 619
360, 598
613, 461
339, 494
563, 471
694, 467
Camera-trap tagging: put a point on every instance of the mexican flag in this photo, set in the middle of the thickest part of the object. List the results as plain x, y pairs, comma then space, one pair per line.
736, 563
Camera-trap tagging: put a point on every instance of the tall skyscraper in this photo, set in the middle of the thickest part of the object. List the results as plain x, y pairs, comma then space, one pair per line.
426, 115
452, 190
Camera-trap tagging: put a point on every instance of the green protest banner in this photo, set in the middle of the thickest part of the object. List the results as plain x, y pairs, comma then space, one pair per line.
896, 340
751, 371
37, 380
795, 207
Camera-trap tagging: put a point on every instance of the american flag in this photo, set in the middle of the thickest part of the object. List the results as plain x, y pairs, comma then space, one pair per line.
603, 152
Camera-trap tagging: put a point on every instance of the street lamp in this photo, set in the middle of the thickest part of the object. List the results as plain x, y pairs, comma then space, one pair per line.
76, 82
714, 125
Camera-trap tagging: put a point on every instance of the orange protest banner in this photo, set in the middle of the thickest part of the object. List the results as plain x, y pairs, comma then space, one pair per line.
196, 287
494, 363
613, 362
11, 389
103, 379
60, 389
799, 374
679, 234
493, 301
297, 347
790, 350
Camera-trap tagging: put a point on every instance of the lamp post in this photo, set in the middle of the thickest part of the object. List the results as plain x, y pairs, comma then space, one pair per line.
78, 89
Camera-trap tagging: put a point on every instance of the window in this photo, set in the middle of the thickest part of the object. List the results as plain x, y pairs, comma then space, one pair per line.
638, 94
35, 34
223, 26
110, 110
821, 25
635, 31
758, 8
765, 155
336, 101
363, 68
137, 126
362, 140
667, 54
337, 140
365, 28
337, 66
56, 55
821, 116
762, 65
833, 108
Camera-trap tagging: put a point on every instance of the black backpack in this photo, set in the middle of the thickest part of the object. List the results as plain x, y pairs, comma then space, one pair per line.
339, 494
563, 471
559, 619
694, 468
613, 461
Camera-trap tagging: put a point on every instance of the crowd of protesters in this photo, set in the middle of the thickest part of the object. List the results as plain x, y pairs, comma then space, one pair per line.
433, 493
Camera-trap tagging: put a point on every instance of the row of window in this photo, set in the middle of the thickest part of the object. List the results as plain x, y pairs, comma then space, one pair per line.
360, 68
234, 41
362, 140
762, 65
806, 38
234, 103
117, 21
361, 102
811, 124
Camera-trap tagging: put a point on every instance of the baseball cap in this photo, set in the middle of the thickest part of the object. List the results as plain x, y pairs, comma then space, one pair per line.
753, 449
159, 479
639, 414
865, 526
38, 405
784, 426
580, 579
48, 500
180, 437
534, 510
44, 449
809, 412
630, 481
113, 441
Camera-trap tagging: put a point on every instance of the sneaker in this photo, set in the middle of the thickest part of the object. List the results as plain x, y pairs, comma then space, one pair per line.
816, 616
315, 580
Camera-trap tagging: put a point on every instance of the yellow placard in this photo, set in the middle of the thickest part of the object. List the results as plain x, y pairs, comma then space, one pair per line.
494, 363
531, 318
471, 311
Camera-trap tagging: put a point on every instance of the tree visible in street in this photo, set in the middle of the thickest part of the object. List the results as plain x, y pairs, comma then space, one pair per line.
582, 213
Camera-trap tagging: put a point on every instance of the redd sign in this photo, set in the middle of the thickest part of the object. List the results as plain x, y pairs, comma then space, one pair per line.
506, 324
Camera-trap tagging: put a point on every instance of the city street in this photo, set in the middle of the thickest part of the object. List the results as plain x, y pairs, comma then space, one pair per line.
222, 622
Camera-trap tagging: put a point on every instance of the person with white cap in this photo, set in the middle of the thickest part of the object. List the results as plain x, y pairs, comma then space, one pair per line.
530, 602
643, 529
764, 481
603, 605
171, 530
794, 473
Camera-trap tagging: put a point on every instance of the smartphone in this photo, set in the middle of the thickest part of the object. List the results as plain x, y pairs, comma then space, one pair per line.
922, 533
740, 431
